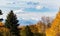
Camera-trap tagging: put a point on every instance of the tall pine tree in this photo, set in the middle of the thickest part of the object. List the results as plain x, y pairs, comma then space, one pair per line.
1, 12
28, 31
12, 24
0, 15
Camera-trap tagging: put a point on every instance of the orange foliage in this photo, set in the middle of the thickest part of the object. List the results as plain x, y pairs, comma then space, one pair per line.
55, 27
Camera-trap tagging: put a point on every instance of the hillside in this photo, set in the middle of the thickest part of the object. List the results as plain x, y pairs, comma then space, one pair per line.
39, 27
55, 27
36, 28
3, 31
1, 26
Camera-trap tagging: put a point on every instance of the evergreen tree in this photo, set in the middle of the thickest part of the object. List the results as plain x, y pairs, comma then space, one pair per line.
28, 31
12, 24
1, 14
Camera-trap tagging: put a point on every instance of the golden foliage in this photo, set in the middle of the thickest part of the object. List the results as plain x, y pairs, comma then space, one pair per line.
55, 27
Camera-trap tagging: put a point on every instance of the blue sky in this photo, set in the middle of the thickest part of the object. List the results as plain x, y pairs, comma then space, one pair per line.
30, 10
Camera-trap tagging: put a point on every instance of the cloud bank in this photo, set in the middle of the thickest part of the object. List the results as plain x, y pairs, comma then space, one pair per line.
30, 9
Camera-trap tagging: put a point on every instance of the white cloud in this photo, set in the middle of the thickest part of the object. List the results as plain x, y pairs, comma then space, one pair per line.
2, 2
51, 4
5, 14
35, 16
18, 11
39, 7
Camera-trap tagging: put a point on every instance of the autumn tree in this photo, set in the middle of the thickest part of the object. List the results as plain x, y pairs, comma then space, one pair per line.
47, 21
12, 24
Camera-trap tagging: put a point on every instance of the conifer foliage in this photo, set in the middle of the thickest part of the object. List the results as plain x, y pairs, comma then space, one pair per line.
1, 14
12, 24
28, 31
